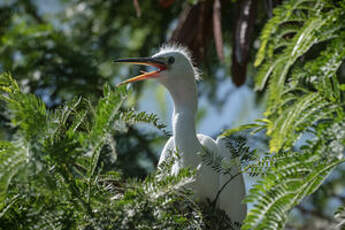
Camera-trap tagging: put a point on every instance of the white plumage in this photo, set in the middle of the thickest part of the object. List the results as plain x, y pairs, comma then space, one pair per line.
178, 75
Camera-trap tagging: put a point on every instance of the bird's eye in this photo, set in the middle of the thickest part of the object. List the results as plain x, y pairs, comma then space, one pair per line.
171, 60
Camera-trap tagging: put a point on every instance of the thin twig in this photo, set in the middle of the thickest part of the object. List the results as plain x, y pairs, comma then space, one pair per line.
223, 187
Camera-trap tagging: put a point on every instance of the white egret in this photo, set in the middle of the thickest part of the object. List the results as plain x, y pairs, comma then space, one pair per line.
177, 73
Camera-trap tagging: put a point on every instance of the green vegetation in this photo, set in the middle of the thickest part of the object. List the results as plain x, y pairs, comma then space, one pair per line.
52, 174
301, 51
72, 156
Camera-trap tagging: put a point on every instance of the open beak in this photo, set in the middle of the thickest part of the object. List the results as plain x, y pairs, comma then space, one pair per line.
144, 61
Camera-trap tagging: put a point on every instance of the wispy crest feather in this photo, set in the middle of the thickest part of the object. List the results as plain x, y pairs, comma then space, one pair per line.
175, 47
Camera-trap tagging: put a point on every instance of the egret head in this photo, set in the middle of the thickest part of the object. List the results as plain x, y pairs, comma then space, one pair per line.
175, 71
173, 63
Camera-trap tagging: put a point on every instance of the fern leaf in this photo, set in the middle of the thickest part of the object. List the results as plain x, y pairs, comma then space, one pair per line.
25, 111
12, 160
131, 117
283, 188
282, 15
307, 110
106, 113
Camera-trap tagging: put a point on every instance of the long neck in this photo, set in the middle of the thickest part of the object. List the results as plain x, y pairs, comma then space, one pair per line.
183, 123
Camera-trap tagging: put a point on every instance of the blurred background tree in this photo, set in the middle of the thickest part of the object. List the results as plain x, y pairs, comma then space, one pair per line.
58, 49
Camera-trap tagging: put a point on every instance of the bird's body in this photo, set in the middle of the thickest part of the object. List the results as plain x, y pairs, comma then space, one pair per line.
208, 182
178, 75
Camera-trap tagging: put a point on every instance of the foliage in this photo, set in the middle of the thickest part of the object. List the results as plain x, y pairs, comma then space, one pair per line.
302, 48
51, 175
63, 163
65, 49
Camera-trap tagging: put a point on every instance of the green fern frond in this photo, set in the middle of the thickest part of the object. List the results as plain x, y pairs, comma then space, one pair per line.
305, 96
132, 117
301, 43
316, 28
283, 15
283, 187
162, 184
301, 111
106, 113
306, 111
26, 111
12, 160
261, 165
255, 127
322, 24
